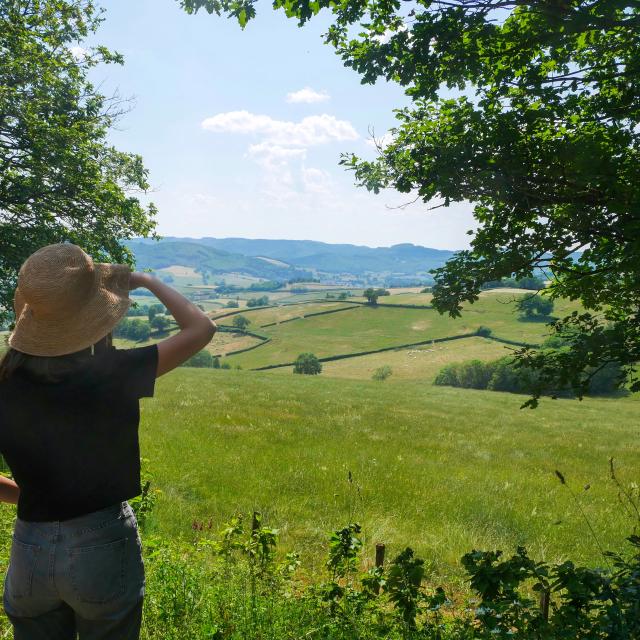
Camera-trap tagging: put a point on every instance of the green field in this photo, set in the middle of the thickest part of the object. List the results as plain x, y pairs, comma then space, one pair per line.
444, 470
366, 328
260, 317
418, 363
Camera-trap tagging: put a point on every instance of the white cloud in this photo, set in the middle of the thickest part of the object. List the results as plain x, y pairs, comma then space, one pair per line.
308, 95
281, 150
316, 180
309, 131
78, 52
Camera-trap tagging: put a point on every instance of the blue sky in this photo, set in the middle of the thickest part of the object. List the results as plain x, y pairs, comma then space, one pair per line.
242, 130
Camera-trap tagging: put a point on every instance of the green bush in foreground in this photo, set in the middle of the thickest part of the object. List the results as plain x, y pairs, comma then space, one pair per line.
232, 585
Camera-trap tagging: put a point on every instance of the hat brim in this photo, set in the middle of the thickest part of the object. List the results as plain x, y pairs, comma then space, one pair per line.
106, 305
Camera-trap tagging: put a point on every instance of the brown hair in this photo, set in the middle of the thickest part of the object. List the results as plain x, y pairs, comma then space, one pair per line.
50, 368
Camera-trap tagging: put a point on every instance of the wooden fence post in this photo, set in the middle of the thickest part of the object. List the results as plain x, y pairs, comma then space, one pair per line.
380, 549
544, 604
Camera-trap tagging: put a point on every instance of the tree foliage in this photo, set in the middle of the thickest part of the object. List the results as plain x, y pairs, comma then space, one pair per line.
241, 322
371, 295
59, 178
535, 306
541, 133
307, 363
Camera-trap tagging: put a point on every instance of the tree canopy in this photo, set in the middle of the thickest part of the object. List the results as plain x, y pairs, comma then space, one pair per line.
59, 178
540, 131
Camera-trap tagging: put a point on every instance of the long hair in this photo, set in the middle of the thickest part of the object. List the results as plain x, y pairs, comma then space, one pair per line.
51, 369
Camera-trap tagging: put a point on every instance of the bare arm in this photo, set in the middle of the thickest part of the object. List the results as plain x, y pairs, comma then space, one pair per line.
196, 329
9, 490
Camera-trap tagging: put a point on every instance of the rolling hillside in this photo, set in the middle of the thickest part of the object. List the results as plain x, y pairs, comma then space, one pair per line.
225, 253
158, 255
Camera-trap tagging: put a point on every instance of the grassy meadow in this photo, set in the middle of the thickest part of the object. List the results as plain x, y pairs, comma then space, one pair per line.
417, 363
365, 328
443, 470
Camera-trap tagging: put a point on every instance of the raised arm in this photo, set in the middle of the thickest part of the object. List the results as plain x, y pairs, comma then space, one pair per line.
196, 329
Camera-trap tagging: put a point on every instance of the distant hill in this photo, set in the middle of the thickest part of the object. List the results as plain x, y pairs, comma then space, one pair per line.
398, 260
159, 255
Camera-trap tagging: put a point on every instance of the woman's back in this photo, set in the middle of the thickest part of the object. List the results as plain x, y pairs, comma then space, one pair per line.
72, 445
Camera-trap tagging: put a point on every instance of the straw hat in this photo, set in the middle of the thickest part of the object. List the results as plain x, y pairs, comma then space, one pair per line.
65, 302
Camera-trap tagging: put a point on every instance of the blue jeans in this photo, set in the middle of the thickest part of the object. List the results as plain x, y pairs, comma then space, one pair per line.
80, 577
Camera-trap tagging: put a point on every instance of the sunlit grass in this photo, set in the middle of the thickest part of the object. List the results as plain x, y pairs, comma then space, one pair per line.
443, 470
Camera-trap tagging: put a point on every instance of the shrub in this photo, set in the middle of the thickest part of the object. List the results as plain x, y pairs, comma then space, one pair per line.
371, 295
258, 302
225, 365
448, 376
483, 331
232, 304
136, 329
241, 323
506, 377
475, 374
382, 373
605, 380
307, 363
160, 323
154, 309
203, 359
535, 306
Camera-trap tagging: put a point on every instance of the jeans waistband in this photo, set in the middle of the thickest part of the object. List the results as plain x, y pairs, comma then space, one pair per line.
78, 524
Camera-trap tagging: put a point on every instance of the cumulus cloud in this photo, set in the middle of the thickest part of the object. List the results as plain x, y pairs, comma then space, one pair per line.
316, 180
312, 130
281, 149
308, 95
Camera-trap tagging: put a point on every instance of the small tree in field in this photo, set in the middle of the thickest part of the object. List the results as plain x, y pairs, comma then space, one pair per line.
535, 307
307, 363
241, 323
371, 295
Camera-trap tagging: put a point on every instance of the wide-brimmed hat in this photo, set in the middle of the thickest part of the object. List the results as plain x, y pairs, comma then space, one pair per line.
65, 302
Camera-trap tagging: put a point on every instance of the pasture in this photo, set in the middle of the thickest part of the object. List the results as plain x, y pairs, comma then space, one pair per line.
443, 470
417, 363
366, 328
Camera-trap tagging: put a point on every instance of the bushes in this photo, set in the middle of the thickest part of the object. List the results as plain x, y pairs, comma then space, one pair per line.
203, 359
233, 585
473, 374
534, 306
258, 302
503, 375
307, 363
135, 329
381, 373
241, 323
484, 332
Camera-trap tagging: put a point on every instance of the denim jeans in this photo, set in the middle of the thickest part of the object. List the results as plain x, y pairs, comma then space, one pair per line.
82, 577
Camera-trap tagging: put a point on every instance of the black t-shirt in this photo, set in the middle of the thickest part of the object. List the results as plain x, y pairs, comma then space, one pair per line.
72, 446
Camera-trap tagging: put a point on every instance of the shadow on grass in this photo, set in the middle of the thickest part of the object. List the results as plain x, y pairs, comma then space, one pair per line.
538, 319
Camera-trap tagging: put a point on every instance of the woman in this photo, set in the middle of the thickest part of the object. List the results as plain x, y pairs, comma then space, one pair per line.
69, 415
